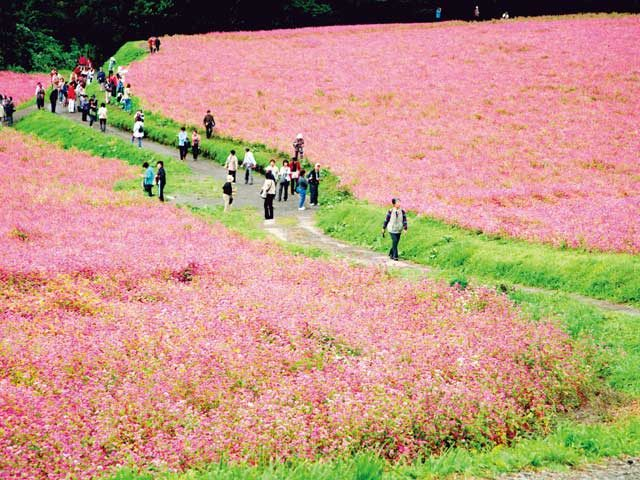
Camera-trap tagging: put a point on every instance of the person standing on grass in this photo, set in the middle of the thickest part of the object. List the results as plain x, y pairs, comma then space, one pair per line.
209, 123
126, 98
102, 117
161, 180
268, 192
227, 193
183, 146
148, 178
249, 163
303, 183
314, 184
284, 176
295, 174
138, 132
107, 91
93, 110
195, 144
394, 223
232, 165
53, 99
40, 96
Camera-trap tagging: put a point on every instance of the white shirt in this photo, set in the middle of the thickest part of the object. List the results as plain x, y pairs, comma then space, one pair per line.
136, 129
232, 163
102, 113
249, 161
284, 172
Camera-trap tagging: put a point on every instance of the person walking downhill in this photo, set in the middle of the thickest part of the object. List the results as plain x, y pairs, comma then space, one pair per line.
138, 132
284, 177
183, 144
314, 184
209, 123
227, 193
102, 117
148, 178
161, 180
303, 183
53, 99
394, 223
249, 163
268, 192
195, 144
232, 165
40, 96
295, 174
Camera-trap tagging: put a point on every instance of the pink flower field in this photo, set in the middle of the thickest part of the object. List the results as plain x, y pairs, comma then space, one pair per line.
21, 86
521, 128
133, 334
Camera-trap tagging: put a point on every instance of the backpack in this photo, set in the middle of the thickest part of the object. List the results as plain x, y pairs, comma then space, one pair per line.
395, 222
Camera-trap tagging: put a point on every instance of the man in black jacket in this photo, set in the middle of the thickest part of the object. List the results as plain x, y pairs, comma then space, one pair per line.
53, 98
161, 180
314, 183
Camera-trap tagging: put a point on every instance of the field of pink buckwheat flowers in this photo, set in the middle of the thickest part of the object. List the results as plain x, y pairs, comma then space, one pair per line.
522, 128
21, 86
132, 333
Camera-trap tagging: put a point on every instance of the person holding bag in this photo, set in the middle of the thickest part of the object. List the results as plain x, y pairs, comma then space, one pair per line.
268, 192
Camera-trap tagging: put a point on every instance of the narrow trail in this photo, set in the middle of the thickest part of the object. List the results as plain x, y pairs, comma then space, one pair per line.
294, 226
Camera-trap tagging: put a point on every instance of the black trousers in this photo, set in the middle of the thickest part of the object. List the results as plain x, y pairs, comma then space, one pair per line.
161, 191
233, 174
53, 106
148, 189
209, 130
183, 151
294, 185
103, 124
284, 187
395, 239
268, 206
196, 151
313, 188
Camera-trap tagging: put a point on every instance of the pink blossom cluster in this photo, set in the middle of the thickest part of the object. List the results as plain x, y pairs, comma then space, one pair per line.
21, 86
518, 128
133, 334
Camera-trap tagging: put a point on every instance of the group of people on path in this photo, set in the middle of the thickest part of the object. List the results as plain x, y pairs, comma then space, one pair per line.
7, 109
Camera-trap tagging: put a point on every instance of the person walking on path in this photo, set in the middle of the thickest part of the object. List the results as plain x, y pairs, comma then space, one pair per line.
149, 176
298, 147
9, 109
394, 223
183, 143
295, 174
93, 110
209, 123
40, 96
232, 165
249, 163
303, 183
268, 192
284, 177
53, 99
126, 98
227, 193
195, 144
102, 117
314, 184
161, 180
71, 96
138, 132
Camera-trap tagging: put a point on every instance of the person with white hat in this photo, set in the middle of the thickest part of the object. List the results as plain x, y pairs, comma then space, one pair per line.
227, 193
298, 147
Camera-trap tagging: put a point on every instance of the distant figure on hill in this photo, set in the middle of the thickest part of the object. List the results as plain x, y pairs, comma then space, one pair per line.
394, 223
232, 165
195, 144
183, 143
227, 193
9, 109
112, 63
314, 184
268, 192
438, 14
53, 99
249, 163
161, 180
102, 117
284, 176
40, 96
298, 147
476, 13
209, 123
295, 167
157, 44
505, 16
148, 178
303, 183
152, 44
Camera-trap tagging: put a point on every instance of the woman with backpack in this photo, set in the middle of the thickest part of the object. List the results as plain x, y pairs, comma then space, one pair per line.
138, 132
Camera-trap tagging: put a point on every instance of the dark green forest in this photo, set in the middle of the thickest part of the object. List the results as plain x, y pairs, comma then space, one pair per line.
36, 35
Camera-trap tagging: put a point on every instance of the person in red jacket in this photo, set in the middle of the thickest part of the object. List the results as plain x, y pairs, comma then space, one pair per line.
71, 96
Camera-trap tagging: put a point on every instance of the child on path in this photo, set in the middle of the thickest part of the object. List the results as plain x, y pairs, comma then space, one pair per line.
268, 192
102, 117
395, 222
147, 182
161, 180
232, 165
195, 144
284, 176
302, 189
227, 193
249, 163
183, 144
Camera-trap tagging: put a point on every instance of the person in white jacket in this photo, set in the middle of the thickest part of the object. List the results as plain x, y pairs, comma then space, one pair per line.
232, 165
138, 132
249, 163
284, 177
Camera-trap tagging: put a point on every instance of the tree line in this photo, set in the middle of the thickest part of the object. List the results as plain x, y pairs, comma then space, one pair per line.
36, 35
